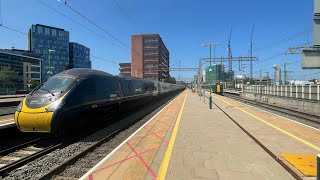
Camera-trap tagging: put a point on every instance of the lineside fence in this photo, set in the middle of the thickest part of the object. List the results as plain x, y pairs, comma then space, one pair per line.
310, 92
7, 91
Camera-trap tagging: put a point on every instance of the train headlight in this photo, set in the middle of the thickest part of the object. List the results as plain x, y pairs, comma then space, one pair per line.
55, 106
19, 107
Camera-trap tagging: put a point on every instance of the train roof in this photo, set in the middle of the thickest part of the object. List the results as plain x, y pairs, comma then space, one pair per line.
84, 72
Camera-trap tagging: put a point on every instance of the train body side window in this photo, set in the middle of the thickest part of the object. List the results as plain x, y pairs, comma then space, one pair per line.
88, 92
111, 87
90, 86
84, 93
137, 86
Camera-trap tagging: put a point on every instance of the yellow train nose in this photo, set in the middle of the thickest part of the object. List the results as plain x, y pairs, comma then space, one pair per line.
34, 122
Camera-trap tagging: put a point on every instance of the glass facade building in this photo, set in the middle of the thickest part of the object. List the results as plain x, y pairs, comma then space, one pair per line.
53, 44
79, 56
26, 64
214, 75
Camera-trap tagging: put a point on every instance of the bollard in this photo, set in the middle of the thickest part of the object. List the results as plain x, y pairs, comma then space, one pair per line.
210, 102
204, 96
318, 167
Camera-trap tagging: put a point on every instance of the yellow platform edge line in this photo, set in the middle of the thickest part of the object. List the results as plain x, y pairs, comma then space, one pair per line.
275, 127
166, 159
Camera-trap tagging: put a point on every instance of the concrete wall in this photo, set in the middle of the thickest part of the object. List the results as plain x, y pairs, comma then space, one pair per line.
311, 107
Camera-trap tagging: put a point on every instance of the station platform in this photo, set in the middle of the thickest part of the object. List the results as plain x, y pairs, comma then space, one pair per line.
187, 140
10, 100
6, 121
12, 96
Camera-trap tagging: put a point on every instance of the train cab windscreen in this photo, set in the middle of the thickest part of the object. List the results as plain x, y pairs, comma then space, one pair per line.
56, 84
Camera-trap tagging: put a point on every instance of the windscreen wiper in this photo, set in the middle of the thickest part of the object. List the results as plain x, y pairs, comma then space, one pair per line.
36, 88
47, 91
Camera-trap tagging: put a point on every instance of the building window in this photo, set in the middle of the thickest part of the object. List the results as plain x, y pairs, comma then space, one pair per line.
34, 75
151, 52
150, 39
47, 31
39, 28
150, 46
54, 32
35, 69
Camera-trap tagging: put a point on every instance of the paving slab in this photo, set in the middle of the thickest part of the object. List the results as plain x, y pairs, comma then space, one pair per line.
278, 134
140, 156
187, 140
210, 146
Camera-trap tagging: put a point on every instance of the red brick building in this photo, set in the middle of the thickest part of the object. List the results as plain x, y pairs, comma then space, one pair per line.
149, 57
125, 69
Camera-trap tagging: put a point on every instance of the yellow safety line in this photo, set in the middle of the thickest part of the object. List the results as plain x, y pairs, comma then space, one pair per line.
165, 162
275, 127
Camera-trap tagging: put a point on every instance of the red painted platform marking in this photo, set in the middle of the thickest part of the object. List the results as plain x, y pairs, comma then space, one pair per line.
121, 161
170, 127
143, 161
156, 135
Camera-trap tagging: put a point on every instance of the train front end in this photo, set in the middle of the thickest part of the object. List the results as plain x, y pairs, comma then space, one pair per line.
38, 111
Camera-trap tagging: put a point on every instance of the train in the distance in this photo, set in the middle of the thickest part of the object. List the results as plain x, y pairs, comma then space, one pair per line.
68, 99
216, 88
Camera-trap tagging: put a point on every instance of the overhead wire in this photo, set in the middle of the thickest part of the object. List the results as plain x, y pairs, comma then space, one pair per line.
94, 56
283, 40
272, 57
99, 27
76, 22
126, 14
122, 10
0, 13
104, 59
279, 42
9, 28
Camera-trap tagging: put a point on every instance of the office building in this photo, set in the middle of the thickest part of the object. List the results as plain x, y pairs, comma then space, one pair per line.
149, 57
26, 64
213, 73
79, 56
53, 43
125, 69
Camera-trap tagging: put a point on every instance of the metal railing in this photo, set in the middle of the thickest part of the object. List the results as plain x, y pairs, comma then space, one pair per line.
7, 91
310, 92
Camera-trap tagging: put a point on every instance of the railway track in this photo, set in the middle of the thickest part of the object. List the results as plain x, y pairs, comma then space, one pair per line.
100, 147
291, 112
66, 152
22, 154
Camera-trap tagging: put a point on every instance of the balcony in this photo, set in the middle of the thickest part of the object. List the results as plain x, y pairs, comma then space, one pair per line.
151, 73
150, 46
150, 40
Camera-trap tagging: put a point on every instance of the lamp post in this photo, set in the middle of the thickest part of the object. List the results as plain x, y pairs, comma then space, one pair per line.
50, 68
214, 55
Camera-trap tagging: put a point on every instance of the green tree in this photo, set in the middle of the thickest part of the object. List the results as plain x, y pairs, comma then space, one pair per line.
34, 83
171, 80
7, 77
249, 81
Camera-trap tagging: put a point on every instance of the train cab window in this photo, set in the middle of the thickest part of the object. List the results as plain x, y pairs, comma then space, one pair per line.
57, 84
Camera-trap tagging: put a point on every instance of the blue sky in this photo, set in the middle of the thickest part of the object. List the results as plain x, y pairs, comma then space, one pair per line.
183, 26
